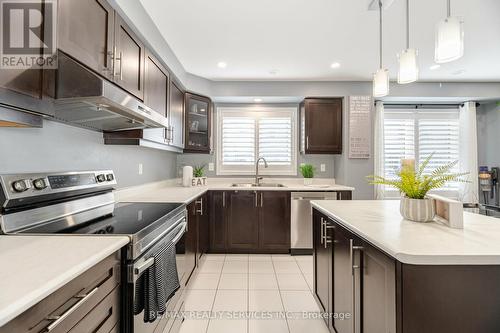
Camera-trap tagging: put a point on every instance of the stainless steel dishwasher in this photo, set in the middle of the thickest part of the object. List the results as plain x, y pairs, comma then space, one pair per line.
301, 231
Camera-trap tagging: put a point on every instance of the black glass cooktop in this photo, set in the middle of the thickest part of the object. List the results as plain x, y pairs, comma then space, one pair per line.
127, 218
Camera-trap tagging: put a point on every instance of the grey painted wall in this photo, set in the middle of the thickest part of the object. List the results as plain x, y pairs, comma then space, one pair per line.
488, 132
59, 147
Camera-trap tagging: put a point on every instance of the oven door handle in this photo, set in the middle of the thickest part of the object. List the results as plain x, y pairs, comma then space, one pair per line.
138, 270
180, 233
141, 268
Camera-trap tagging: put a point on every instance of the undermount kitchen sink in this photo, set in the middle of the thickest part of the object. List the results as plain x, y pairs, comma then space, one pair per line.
257, 185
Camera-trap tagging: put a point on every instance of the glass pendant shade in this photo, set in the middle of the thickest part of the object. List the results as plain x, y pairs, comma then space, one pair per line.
449, 40
408, 68
381, 83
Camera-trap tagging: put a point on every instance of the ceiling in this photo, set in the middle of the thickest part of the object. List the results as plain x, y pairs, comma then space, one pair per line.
300, 39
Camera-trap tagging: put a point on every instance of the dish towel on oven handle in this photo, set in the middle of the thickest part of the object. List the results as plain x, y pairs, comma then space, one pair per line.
157, 285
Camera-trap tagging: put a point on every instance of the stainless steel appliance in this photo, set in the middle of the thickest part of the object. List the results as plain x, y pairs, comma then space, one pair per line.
301, 229
489, 187
85, 99
79, 203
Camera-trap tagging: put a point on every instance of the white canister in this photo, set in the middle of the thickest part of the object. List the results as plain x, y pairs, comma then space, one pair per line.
187, 175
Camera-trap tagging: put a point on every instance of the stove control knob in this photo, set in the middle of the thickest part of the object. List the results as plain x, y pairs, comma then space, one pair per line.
39, 184
110, 177
101, 178
20, 185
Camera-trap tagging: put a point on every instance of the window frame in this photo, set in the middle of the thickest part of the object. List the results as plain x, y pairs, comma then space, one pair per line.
417, 115
257, 112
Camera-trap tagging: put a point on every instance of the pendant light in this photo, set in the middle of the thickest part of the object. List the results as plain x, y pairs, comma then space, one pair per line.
408, 68
449, 38
381, 77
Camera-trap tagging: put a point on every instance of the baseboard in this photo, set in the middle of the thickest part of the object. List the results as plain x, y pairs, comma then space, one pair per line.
301, 252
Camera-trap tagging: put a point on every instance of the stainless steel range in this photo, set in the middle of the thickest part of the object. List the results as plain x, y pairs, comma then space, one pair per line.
83, 203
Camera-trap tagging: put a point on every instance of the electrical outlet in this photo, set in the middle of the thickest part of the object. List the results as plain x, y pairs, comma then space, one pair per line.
322, 167
210, 167
140, 168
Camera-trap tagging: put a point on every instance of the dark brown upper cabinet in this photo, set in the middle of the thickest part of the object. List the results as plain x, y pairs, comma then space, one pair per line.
86, 32
274, 220
23, 87
198, 124
176, 115
129, 59
156, 85
321, 126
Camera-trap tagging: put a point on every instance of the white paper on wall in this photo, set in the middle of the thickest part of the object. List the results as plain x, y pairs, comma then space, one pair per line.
360, 128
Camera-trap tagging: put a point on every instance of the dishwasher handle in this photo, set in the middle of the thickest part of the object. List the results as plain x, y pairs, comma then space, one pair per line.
313, 198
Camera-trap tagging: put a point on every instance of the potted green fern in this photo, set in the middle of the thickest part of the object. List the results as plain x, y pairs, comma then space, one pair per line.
307, 171
414, 185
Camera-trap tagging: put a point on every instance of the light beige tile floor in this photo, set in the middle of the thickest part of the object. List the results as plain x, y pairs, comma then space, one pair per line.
250, 294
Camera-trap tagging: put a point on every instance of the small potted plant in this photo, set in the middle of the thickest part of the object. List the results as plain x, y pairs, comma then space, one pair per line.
414, 185
198, 176
307, 171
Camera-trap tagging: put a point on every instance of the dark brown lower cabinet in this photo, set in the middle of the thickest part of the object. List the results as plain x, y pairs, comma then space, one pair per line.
191, 244
274, 220
377, 294
217, 221
243, 220
249, 221
98, 312
322, 265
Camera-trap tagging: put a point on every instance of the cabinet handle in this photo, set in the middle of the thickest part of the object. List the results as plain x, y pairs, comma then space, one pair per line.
59, 319
321, 230
200, 202
262, 199
120, 74
307, 142
327, 239
352, 249
172, 133
223, 199
256, 199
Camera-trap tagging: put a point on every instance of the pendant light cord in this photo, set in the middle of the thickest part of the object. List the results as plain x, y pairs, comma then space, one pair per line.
380, 29
407, 24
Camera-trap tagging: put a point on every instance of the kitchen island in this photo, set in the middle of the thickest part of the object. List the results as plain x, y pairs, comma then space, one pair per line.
394, 275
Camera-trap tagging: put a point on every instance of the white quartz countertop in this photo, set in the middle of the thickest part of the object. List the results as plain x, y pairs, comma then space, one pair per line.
172, 191
380, 223
33, 267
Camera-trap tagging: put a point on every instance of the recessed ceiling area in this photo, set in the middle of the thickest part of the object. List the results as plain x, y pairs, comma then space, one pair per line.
303, 39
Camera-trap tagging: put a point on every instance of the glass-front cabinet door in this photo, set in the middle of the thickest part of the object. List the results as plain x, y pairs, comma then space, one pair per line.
198, 124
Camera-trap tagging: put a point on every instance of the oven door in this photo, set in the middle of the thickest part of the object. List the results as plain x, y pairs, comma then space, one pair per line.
136, 269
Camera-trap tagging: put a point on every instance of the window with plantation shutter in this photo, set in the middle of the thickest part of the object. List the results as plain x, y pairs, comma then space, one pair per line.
417, 133
245, 134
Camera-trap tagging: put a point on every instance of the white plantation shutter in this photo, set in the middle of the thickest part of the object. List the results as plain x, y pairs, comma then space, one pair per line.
238, 140
275, 140
419, 133
399, 137
245, 134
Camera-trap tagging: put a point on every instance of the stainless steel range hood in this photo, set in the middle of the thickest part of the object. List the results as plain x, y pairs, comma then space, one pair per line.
13, 117
84, 99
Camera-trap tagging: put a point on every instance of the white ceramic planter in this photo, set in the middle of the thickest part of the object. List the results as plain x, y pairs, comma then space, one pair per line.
308, 181
418, 210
